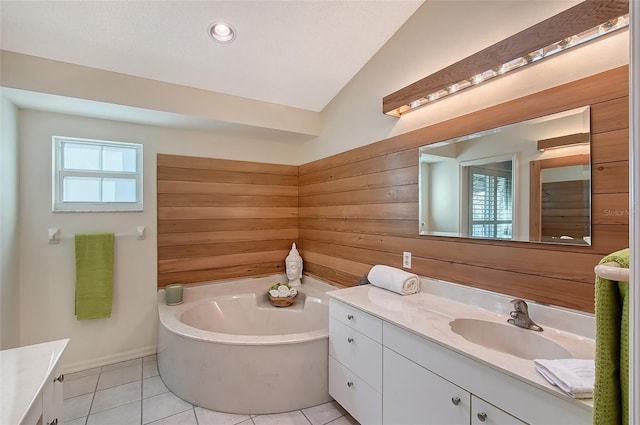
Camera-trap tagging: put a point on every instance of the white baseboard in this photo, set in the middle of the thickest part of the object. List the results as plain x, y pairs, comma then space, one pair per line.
113, 358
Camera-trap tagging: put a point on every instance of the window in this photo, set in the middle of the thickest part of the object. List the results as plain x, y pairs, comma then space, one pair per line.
491, 200
93, 175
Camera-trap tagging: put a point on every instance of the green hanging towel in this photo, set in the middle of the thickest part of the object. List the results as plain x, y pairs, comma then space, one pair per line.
94, 275
611, 388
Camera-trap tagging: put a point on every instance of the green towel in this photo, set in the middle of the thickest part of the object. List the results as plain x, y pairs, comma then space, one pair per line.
611, 389
94, 275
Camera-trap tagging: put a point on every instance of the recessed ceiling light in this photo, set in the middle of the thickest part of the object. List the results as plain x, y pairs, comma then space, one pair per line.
222, 32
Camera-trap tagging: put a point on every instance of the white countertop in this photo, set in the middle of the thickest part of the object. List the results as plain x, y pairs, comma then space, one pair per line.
23, 373
429, 315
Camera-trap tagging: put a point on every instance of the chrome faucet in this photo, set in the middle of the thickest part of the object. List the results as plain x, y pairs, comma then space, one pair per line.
520, 316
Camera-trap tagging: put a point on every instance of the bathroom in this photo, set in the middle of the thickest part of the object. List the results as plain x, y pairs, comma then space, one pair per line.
38, 277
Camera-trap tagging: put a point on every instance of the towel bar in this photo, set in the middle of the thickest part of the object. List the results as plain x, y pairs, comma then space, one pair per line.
54, 234
612, 271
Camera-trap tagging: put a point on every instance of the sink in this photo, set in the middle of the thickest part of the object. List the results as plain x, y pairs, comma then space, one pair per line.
523, 343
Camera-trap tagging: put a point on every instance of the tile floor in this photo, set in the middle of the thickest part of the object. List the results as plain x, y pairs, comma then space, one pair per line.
132, 392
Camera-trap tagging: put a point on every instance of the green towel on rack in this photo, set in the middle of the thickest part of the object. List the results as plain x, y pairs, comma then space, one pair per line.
94, 275
611, 389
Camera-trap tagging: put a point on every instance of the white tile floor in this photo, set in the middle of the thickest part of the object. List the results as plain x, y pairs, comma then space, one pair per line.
132, 392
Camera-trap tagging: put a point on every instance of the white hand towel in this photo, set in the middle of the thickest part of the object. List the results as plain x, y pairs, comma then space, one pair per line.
393, 279
575, 377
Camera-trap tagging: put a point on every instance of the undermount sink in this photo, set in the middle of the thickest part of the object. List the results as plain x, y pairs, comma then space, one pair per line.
523, 343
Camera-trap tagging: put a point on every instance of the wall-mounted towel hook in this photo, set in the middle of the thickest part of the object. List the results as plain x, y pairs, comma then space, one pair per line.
54, 233
140, 232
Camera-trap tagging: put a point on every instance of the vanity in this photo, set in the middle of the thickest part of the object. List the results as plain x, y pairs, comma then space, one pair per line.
447, 356
32, 384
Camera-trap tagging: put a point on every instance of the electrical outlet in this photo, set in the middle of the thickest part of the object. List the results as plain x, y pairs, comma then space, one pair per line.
406, 260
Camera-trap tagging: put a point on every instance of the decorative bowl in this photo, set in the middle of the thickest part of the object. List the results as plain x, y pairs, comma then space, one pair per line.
282, 294
282, 301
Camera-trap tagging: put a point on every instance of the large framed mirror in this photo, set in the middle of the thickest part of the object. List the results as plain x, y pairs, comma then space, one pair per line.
529, 181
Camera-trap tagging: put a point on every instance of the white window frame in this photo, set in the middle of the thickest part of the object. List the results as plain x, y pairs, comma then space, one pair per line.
58, 205
515, 197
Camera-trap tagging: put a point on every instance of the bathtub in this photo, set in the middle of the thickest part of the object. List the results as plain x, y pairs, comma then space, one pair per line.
226, 348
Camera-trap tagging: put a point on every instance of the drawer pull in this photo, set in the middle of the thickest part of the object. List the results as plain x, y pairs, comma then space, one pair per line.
349, 384
455, 400
349, 340
349, 316
60, 378
482, 416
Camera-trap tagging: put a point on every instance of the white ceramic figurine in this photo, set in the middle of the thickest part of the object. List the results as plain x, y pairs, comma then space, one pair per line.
293, 263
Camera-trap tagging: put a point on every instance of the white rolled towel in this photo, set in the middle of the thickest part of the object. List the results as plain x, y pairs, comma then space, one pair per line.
274, 293
393, 279
283, 291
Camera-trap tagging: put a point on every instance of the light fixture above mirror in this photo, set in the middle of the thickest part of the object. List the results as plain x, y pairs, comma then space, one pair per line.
564, 141
575, 26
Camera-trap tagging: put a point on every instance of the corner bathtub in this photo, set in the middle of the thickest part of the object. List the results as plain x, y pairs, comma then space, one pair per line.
226, 348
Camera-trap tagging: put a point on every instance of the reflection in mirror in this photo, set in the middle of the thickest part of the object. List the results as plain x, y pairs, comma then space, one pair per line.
529, 181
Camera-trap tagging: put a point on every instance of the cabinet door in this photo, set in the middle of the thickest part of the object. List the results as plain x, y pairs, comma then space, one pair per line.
52, 398
483, 413
358, 398
413, 395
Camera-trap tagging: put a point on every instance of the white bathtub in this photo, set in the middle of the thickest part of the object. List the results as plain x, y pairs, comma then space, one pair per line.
226, 348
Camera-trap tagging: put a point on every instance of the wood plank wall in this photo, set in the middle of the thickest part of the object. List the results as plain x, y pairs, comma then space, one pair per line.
220, 219
565, 209
360, 207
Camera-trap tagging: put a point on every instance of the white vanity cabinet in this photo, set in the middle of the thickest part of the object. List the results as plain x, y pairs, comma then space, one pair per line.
392, 364
31, 384
355, 362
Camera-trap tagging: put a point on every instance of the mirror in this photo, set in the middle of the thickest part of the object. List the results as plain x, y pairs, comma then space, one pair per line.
529, 181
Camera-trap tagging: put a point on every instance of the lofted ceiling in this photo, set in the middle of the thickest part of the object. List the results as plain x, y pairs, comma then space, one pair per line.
293, 53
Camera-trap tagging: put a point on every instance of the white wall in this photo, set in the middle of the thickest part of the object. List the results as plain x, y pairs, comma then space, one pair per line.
9, 242
444, 205
429, 42
47, 272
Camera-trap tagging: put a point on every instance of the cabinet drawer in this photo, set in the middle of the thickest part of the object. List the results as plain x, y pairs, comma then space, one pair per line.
356, 396
357, 319
483, 413
356, 351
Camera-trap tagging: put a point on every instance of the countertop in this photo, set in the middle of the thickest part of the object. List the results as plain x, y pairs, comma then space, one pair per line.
24, 372
429, 316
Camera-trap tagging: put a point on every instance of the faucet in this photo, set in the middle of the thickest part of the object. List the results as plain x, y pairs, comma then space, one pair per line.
520, 316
